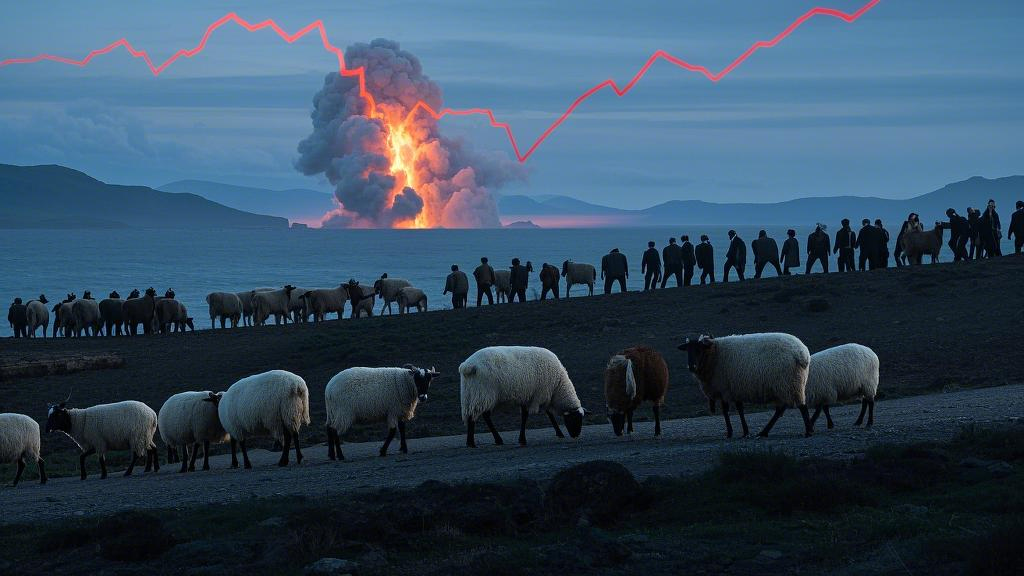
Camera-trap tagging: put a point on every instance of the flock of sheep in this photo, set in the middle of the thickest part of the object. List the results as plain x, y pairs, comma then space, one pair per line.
770, 368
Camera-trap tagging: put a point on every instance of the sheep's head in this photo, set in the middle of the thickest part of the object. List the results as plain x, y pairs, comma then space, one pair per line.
42, 298
620, 364
151, 292
422, 377
114, 295
574, 421
58, 419
134, 294
565, 268
214, 397
190, 323
169, 294
288, 288
377, 286
698, 351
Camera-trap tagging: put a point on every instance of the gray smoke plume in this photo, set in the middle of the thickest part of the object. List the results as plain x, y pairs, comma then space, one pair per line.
350, 148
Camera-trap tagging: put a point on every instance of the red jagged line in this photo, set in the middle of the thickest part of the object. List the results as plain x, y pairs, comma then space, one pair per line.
437, 115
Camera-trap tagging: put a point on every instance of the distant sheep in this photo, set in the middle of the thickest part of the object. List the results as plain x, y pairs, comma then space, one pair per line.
323, 301
85, 316
633, 376
112, 312
409, 297
841, 373
65, 317
577, 273
274, 403
225, 306
19, 439
768, 368
37, 315
549, 279
171, 315
140, 311
917, 243
297, 305
273, 302
361, 298
528, 377
188, 419
367, 395
387, 289
503, 285
127, 425
246, 299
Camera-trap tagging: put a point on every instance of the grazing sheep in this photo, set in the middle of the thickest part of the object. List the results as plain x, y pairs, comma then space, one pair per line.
19, 438
170, 314
529, 377
503, 285
274, 403
85, 315
633, 376
140, 311
549, 279
226, 306
112, 312
387, 289
409, 297
188, 418
37, 315
763, 368
576, 273
360, 298
246, 299
323, 301
297, 305
840, 373
917, 243
127, 425
367, 395
276, 302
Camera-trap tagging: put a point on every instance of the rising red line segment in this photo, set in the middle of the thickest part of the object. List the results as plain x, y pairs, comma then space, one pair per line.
360, 72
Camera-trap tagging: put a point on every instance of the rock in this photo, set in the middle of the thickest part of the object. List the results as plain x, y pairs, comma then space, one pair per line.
272, 522
331, 567
768, 556
600, 491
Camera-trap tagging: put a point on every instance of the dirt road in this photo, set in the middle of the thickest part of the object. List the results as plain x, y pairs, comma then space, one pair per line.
688, 446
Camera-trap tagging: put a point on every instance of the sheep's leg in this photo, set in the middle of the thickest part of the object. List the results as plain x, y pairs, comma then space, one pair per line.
170, 454
184, 460
401, 437
330, 444
778, 412
808, 428
814, 417
743, 419
554, 422
657, 420
728, 422
21, 468
156, 459
192, 458
711, 405
871, 412
298, 450
470, 433
286, 447
828, 418
490, 426
234, 453
629, 422
387, 441
206, 455
524, 412
863, 409
151, 459
128, 472
81, 460
42, 471
245, 455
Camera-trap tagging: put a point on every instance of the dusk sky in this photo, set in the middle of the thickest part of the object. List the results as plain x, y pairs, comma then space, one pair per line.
912, 96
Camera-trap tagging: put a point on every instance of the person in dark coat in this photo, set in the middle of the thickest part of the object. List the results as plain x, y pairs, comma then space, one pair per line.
650, 267
973, 219
672, 258
689, 259
869, 240
519, 279
1016, 230
735, 257
766, 251
17, 316
704, 254
991, 230
484, 276
883, 243
846, 239
790, 252
458, 284
614, 268
819, 246
959, 234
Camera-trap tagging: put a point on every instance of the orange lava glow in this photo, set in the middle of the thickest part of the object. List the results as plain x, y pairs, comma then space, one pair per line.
404, 151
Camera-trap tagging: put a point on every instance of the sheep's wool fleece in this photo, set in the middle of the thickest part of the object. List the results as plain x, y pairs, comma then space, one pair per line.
19, 436
261, 404
389, 287
841, 373
224, 304
128, 425
767, 368
188, 418
518, 375
370, 395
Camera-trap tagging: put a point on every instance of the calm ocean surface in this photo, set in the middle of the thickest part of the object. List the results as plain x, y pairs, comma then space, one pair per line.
195, 263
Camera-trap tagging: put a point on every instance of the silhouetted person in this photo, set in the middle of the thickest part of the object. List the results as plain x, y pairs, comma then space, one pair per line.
484, 276
1016, 230
790, 252
17, 316
672, 257
518, 279
910, 226
974, 219
991, 231
458, 284
846, 239
704, 253
766, 251
869, 240
883, 255
819, 247
735, 257
650, 267
959, 234
614, 268
689, 260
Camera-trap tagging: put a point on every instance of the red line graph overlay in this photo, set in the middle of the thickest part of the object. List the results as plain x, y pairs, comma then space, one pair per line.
421, 106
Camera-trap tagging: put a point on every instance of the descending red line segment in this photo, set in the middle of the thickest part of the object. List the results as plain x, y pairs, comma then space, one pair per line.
318, 26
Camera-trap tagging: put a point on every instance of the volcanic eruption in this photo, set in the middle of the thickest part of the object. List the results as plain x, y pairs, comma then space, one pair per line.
390, 166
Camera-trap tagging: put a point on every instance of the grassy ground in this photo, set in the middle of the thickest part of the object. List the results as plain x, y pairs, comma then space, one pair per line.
943, 508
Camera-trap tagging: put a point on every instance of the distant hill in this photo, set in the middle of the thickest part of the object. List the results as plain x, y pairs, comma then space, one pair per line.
295, 204
58, 197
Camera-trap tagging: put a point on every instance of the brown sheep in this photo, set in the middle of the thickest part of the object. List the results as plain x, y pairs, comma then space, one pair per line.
917, 244
647, 380
549, 278
140, 311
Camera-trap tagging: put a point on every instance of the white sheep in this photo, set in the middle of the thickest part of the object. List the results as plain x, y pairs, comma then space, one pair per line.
171, 315
368, 395
226, 306
37, 315
841, 373
387, 289
769, 368
528, 377
578, 273
185, 420
127, 425
85, 316
274, 403
297, 305
19, 439
322, 301
409, 297
271, 302
503, 285
63, 317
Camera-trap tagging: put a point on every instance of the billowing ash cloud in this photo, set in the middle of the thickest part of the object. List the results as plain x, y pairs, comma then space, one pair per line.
351, 149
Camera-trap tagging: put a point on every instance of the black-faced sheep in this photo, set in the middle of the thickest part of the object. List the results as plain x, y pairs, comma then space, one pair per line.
19, 439
577, 273
188, 419
112, 312
86, 316
37, 316
274, 403
633, 376
273, 302
127, 425
387, 289
323, 301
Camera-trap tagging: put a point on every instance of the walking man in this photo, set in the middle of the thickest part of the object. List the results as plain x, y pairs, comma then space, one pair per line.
614, 267
650, 267
689, 260
518, 279
484, 276
672, 257
790, 252
846, 239
736, 256
883, 242
1016, 230
458, 284
819, 246
704, 253
959, 233
766, 251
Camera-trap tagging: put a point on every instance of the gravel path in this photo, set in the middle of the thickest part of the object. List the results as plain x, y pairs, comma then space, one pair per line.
688, 446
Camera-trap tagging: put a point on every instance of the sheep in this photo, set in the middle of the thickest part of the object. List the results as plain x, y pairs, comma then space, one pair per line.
503, 285
65, 317
246, 299
917, 243
226, 306
37, 315
387, 289
140, 311
409, 297
841, 373
362, 302
112, 313
19, 438
297, 305
368, 395
276, 302
274, 403
631, 377
322, 301
127, 425
188, 418
549, 278
577, 273
85, 315
763, 368
529, 377
170, 314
